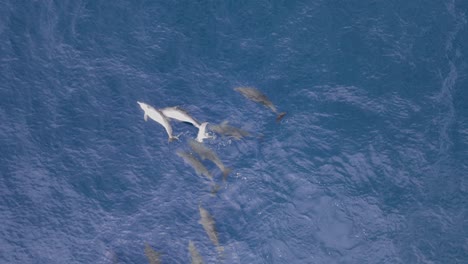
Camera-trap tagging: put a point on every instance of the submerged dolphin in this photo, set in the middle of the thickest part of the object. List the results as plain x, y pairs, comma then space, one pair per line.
157, 116
153, 256
206, 153
194, 254
112, 256
230, 131
178, 113
257, 96
200, 169
208, 223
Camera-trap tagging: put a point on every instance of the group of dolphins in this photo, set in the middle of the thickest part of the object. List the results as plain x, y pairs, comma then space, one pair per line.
163, 117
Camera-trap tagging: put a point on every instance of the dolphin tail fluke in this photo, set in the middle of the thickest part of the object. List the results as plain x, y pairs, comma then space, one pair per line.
214, 189
226, 172
280, 116
220, 251
172, 138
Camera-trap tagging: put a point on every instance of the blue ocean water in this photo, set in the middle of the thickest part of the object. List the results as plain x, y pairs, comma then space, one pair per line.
368, 166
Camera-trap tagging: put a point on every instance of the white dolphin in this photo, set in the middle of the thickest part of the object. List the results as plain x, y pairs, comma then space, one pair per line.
159, 117
179, 114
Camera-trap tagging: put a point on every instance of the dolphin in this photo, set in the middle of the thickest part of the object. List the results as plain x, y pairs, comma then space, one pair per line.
153, 256
206, 153
202, 132
194, 254
159, 117
228, 130
200, 169
257, 96
208, 223
178, 113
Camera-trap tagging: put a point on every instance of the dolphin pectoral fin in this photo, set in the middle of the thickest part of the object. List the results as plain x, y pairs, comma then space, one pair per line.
280, 116
172, 138
146, 117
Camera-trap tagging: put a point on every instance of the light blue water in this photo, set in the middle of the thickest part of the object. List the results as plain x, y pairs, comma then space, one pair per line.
368, 166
